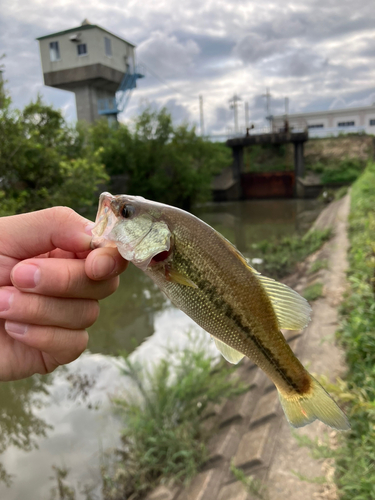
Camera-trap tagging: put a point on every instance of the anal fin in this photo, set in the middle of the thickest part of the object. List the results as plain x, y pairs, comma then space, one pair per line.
228, 353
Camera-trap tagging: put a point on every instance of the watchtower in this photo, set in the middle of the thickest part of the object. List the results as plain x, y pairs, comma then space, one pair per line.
94, 64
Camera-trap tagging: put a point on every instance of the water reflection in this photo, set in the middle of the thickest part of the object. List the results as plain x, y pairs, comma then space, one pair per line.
127, 317
58, 412
20, 427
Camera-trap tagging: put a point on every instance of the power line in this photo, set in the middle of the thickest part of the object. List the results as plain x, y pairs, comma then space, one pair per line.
153, 73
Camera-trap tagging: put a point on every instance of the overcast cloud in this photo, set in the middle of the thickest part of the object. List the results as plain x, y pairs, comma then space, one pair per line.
319, 54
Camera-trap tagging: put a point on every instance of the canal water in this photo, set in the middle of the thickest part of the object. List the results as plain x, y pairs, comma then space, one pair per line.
65, 420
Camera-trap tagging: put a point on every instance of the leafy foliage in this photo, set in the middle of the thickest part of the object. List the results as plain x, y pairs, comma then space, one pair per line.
43, 161
162, 162
163, 435
341, 172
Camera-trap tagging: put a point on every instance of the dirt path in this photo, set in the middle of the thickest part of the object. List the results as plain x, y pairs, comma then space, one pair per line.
321, 355
251, 429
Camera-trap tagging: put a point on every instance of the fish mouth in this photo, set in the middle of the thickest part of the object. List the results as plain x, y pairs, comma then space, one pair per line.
104, 222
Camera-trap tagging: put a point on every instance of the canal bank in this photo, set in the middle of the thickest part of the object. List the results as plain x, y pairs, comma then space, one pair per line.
65, 419
252, 430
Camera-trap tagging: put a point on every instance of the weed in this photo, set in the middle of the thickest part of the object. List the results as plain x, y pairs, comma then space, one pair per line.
163, 436
280, 257
252, 485
317, 449
318, 265
313, 292
315, 480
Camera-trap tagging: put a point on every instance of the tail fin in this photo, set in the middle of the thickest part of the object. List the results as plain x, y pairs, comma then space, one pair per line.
302, 409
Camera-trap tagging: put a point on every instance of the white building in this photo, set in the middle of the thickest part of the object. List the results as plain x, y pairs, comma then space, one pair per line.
331, 122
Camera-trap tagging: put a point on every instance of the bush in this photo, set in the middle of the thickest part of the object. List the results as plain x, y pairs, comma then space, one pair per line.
346, 172
163, 436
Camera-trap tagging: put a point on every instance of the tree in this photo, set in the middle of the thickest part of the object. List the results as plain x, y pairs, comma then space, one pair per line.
43, 161
164, 163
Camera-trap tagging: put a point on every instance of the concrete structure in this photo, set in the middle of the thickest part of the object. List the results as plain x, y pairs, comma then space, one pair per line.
331, 122
91, 62
237, 144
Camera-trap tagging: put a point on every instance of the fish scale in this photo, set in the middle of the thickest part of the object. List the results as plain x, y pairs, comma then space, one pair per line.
207, 278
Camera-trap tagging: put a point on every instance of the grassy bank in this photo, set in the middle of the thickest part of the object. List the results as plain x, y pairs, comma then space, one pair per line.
165, 420
281, 256
355, 463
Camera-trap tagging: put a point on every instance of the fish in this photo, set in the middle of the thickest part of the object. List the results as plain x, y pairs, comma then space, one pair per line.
207, 278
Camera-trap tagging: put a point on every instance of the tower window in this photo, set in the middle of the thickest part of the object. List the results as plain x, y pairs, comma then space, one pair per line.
82, 49
108, 46
54, 51
372, 121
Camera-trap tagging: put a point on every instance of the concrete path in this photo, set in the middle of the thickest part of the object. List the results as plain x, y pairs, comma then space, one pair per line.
251, 430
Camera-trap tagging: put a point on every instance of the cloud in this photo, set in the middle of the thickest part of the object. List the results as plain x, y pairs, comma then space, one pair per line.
169, 57
310, 51
254, 47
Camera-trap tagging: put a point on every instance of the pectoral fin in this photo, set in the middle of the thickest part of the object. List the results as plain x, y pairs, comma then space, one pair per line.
228, 353
177, 277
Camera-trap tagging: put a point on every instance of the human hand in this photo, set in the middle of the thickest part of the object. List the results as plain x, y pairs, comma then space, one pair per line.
50, 284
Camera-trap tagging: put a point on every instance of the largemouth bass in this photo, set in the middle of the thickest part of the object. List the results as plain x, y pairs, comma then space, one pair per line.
206, 277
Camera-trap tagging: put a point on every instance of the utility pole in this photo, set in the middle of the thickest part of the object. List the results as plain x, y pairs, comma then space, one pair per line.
234, 105
201, 115
246, 115
267, 95
286, 106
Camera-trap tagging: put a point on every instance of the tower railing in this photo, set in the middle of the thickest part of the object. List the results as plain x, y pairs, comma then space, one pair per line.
117, 104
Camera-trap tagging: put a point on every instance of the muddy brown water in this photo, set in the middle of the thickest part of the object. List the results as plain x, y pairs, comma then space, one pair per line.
65, 419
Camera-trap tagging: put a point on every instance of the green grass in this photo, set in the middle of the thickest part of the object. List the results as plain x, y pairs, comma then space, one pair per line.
253, 486
163, 436
356, 464
318, 265
280, 257
339, 172
313, 292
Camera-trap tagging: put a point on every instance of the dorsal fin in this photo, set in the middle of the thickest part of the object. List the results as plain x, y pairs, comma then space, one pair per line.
292, 310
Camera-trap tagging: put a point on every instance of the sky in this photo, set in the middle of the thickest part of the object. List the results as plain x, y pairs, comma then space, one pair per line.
319, 54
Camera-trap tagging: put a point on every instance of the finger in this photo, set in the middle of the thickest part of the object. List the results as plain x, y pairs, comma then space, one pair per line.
26, 235
58, 345
41, 310
104, 263
60, 278
62, 254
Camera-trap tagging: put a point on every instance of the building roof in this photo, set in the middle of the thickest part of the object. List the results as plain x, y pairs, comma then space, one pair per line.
327, 112
83, 27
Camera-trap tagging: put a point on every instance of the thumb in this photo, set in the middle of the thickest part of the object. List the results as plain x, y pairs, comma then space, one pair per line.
27, 235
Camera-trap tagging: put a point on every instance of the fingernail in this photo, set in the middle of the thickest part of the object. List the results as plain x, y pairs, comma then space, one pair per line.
26, 276
5, 300
89, 228
17, 328
103, 266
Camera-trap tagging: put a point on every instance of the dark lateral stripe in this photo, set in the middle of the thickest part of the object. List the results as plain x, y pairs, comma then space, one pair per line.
215, 298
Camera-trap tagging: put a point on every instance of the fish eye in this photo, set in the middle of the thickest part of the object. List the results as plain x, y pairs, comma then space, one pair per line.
127, 211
